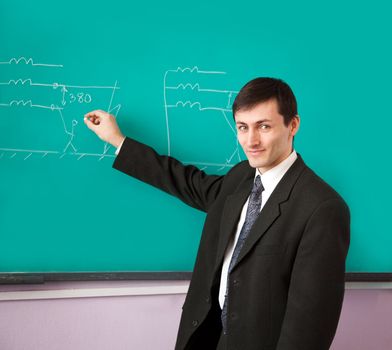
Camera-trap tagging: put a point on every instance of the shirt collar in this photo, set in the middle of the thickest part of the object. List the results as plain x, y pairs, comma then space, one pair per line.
271, 177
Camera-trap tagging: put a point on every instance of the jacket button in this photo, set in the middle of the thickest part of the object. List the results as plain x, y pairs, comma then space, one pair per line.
235, 282
233, 316
195, 323
208, 300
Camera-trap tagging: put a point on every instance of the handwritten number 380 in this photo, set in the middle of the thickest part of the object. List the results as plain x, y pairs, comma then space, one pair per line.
80, 98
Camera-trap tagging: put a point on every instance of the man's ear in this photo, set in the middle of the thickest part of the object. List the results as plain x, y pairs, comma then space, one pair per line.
295, 122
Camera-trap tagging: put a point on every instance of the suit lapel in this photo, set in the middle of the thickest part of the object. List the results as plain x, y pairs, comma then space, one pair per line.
231, 214
271, 210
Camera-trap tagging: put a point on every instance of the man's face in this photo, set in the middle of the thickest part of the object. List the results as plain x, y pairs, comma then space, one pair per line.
264, 137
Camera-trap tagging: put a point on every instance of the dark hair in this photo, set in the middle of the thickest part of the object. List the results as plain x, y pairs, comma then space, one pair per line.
263, 89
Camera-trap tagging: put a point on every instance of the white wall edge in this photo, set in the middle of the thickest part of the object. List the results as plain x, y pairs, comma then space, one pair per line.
368, 285
179, 288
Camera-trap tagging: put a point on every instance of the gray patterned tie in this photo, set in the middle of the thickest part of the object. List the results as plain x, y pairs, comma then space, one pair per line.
251, 216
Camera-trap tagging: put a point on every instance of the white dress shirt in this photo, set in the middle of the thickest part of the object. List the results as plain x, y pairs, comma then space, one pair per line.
119, 147
270, 180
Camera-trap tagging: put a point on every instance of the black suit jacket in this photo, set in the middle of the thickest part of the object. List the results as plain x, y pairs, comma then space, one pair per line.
287, 287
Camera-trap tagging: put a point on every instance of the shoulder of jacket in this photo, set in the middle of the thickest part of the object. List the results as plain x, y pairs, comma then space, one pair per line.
317, 188
236, 175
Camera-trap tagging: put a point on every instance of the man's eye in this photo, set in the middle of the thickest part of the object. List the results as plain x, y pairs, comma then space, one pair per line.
264, 126
241, 127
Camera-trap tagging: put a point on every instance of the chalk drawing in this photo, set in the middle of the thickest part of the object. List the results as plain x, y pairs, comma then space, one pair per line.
67, 98
222, 111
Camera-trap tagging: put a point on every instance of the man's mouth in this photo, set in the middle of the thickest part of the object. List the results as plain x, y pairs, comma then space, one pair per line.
256, 151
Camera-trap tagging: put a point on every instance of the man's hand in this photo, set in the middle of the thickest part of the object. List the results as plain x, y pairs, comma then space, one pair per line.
105, 126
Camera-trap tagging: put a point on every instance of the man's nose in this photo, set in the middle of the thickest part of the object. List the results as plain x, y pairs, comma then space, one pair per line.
253, 138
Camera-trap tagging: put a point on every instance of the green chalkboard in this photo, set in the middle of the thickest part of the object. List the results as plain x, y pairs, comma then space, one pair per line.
169, 71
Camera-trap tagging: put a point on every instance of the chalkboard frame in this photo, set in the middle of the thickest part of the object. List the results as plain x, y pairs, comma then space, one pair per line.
40, 278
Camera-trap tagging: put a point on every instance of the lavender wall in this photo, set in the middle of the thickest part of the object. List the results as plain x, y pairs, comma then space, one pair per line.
365, 323
150, 321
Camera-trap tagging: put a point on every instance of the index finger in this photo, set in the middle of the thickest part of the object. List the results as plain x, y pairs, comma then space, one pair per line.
97, 113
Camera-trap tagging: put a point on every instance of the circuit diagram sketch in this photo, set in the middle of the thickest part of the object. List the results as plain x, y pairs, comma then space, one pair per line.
58, 104
197, 112
196, 103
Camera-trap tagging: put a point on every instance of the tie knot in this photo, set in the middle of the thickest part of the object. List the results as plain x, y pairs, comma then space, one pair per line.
258, 186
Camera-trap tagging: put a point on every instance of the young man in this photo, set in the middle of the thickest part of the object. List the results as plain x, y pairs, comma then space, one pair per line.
270, 268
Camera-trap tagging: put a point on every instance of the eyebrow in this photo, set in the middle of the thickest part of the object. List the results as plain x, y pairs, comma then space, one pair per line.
257, 122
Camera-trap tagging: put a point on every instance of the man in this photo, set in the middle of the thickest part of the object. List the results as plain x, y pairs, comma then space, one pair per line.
270, 269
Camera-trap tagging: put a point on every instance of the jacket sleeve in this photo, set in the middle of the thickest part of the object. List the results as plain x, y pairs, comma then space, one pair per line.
186, 182
317, 281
